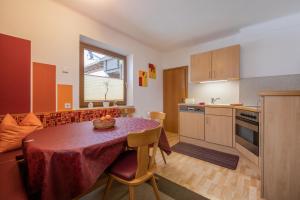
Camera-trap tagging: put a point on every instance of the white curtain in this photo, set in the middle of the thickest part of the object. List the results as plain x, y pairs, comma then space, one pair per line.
94, 88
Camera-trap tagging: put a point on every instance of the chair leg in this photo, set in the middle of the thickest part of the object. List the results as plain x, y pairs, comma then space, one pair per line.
108, 186
131, 192
163, 155
155, 189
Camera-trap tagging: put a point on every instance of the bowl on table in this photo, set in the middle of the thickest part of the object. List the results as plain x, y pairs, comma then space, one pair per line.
104, 122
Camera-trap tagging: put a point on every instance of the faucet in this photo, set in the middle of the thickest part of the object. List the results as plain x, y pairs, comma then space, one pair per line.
213, 100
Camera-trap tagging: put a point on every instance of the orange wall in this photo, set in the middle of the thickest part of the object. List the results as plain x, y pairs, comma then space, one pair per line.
44, 87
65, 95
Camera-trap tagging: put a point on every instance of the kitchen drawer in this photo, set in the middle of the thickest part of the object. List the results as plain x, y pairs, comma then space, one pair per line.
219, 111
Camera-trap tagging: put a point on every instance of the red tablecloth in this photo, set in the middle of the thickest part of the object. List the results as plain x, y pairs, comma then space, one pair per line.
64, 161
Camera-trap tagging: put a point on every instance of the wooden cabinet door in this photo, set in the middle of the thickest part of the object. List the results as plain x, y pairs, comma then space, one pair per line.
280, 147
219, 130
226, 63
191, 125
201, 67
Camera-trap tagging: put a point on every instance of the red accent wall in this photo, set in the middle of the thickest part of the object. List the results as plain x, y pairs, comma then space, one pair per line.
44, 87
15, 55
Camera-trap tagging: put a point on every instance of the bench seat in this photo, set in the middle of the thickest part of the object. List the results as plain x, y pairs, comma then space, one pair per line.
10, 156
11, 184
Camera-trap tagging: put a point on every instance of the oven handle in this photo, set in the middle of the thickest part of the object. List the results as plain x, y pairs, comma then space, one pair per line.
247, 125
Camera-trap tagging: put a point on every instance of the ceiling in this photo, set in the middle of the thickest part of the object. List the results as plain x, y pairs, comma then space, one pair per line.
170, 24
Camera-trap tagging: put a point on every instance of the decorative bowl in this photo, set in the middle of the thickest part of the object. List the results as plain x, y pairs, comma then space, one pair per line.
104, 123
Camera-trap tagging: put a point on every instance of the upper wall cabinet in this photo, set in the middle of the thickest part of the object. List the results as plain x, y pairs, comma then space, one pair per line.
220, 64
201, 67
226, 63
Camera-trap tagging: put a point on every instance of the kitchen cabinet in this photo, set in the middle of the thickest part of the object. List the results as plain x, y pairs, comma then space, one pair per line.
191, 125
219, 126
279, 146
226, 63
220, 64
201, 67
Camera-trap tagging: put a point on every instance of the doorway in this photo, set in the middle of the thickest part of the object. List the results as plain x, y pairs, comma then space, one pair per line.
175, 90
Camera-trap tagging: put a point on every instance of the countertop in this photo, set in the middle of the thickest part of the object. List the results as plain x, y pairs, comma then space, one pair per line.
209, 105
189, 104
233, 106
281, 93
220, 105
248, 108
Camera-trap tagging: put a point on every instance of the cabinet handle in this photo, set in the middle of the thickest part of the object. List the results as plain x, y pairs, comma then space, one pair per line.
214, 74
209, 74
206, 120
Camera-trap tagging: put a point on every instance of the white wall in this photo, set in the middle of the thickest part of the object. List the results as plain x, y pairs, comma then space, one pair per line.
55, 30
267, 49
271, 48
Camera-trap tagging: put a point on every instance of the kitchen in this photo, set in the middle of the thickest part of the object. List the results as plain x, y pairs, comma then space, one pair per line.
239, 125
208, 91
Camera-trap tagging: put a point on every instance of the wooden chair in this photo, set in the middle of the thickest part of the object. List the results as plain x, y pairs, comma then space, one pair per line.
160, 117
136, 167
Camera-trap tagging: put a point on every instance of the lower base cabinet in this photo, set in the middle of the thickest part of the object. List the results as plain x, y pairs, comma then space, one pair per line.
219, 130
191, 125
280, 146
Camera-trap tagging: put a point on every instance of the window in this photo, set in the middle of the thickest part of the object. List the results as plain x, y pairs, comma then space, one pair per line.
102, 76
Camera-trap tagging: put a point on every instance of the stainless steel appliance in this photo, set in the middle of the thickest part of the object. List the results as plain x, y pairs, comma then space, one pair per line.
191, 108
247, 130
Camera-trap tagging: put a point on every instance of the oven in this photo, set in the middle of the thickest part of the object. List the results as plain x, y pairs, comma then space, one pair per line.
247, 130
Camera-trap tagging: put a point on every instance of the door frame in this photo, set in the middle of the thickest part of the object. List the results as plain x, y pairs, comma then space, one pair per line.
186, 69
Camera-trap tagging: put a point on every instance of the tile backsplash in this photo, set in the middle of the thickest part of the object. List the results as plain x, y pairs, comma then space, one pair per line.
227, 91
251, 87
244, 91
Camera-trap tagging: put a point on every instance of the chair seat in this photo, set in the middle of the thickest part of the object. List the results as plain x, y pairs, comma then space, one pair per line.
125, 166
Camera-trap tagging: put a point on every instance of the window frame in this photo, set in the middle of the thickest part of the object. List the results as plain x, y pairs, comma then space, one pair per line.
99, 103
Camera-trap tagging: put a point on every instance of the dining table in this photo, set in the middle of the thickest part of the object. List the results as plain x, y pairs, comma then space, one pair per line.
65, 161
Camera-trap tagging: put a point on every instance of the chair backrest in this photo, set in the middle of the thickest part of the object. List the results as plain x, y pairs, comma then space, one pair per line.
142, 142
158, 116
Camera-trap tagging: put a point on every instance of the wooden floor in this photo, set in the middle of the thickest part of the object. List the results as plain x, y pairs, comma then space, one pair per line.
210, 180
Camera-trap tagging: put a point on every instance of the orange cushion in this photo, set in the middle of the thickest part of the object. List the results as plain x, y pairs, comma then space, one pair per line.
11, 134
7, 121
32, 120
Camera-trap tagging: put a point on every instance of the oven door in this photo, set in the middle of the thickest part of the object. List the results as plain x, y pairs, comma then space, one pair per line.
247, 135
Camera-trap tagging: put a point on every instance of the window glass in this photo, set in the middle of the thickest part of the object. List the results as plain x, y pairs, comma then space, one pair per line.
103, 77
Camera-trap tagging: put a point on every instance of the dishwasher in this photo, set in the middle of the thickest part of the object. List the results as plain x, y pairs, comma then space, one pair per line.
191, 121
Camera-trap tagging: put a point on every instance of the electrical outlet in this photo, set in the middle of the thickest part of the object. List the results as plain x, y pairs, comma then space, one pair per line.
67, 105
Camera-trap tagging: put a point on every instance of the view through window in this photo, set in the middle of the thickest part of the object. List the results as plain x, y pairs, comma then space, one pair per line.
102, 76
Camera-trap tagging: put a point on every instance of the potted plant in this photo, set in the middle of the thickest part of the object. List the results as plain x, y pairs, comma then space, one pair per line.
105, 102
